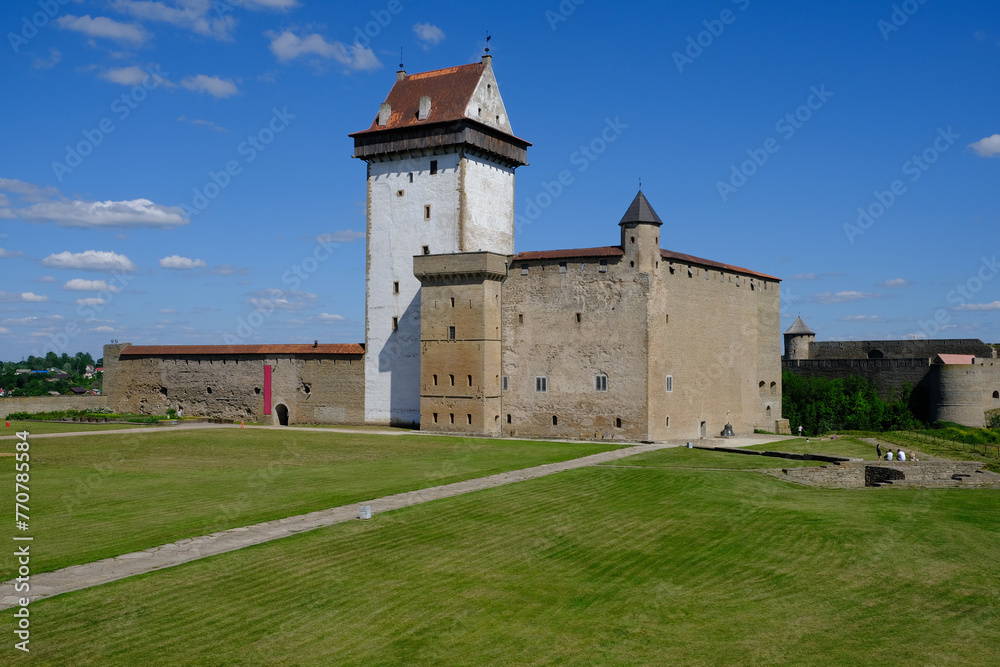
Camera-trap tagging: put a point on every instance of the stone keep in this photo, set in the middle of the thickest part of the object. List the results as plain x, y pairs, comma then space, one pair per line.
441, 158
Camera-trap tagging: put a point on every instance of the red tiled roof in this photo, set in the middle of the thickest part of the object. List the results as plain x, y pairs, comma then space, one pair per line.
450, 90
606, 251
954, 358
691, 259
216, 350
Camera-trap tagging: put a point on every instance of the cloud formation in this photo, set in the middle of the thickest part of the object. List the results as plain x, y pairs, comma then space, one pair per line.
844, 296
987, 147
100, 214
428, 35
213, 85
289, 46
181, 263
82, 285
995, 305
202, 17
895, 283
104, 27
90, 260
10, 253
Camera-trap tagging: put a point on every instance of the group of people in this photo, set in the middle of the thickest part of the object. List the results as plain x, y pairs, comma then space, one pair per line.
898, 455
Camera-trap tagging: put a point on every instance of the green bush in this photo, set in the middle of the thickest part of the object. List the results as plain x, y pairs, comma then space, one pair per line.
823, 404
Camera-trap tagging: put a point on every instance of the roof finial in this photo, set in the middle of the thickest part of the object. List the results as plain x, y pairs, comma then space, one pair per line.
401, 58
640, 184
488, 38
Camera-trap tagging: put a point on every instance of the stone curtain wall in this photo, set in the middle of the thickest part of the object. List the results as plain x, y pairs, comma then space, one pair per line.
50, 403
898, 349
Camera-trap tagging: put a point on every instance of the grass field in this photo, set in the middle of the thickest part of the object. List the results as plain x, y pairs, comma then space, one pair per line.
98, 496
842, 446
57, 427
681, 457
599, 565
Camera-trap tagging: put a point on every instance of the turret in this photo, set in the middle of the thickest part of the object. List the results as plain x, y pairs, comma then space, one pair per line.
641, 234
798, 339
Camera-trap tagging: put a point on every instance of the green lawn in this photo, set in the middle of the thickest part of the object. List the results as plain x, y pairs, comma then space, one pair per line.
57, 427
98, 496
682, 457
850, 447
592, 566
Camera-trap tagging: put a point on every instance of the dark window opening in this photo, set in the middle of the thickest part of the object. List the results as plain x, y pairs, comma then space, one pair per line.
618, 422
876, 354
427, 212
427, 249
451, 379
395, 323
435, 380
395, 287
451, 333
555, 420
208, 390
468, 419
578, 317
434, 167
451, 416
470, 380
508, 419
452, 302
256, 390
435, 418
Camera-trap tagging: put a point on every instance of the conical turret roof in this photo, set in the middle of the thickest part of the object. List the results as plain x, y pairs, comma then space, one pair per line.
640, 211
799, 327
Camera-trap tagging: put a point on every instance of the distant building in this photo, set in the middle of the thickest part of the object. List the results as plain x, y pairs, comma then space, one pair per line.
955, 380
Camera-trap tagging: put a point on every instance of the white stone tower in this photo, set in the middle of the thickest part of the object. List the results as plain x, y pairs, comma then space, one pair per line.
441, 158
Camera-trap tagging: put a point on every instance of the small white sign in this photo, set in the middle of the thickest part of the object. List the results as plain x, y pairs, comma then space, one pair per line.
365, 512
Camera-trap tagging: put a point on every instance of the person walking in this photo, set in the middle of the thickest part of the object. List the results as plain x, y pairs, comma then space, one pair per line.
878, 452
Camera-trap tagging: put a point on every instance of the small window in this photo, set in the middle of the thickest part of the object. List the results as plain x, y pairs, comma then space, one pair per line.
508, 419
996, 394
601, 383
603, 266
434, 167
427, 250
667, 422
468, 419
618, 422
452, 302
435, 418
562, 267
451, 417
395, 287
578, 315
395, 324
768, 411
690, 273
208, 390
555, 420
520, 318
470, 380
631, 265
541, 384
427, 212
505, 383
670, 383
760, 385
435, 380
411, 177
774, 387
524, 269
666, 319
399, 193
451, 379
451, 333
671, 267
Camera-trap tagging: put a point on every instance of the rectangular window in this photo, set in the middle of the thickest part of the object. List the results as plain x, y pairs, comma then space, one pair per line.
505, 383
427, 212
562, 267
541, 383
451, 379
667, 319
395, 323
451, 416
399, 193
452, 302
435, 418
670, 383
578, 316
411, 177
524, 269
604, 266
434, 167
468, 419
395, 287
520, 318
435, 380
470, 380
427, 249
668, 422
601, 382
451, 333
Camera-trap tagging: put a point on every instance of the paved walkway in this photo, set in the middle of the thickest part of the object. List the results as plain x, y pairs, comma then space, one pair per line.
77, 577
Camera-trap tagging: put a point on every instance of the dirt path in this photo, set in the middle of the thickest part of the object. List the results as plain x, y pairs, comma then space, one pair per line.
77, 577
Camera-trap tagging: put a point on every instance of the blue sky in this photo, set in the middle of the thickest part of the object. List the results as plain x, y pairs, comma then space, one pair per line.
180, 172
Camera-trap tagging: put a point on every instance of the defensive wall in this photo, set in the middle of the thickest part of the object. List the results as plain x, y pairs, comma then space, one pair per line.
898, 349
50, 403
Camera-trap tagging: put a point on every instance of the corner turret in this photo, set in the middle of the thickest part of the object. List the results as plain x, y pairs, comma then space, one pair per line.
798, 339
641, 234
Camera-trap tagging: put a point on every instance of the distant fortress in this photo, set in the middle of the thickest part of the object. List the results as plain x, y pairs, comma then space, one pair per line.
955, 380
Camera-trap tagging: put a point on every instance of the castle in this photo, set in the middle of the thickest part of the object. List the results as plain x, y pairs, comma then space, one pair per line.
955, 380
627, 341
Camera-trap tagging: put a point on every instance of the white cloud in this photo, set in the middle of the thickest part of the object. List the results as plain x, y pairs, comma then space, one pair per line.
288, 46
31, 296
229, 270
280, 5
212, 85
4, 331
29, 191
134, 75
10, 253
987, 147
342, 236
81, 285
863, 318
101, 214
805, 276
201, 17
204, 123
182, 263
895, 283
844, 297
330, 317
104, 27
44, 279
55, 55
102, 328
90, 260
91, 301
995, 305
428, 35
277, 299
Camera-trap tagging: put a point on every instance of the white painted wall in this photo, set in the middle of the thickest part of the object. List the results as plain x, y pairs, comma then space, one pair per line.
489, 223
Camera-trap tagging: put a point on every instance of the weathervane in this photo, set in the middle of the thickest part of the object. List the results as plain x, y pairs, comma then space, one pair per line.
401, 58
488, 38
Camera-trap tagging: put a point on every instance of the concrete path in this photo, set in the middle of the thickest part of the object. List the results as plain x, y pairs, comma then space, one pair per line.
99, 572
